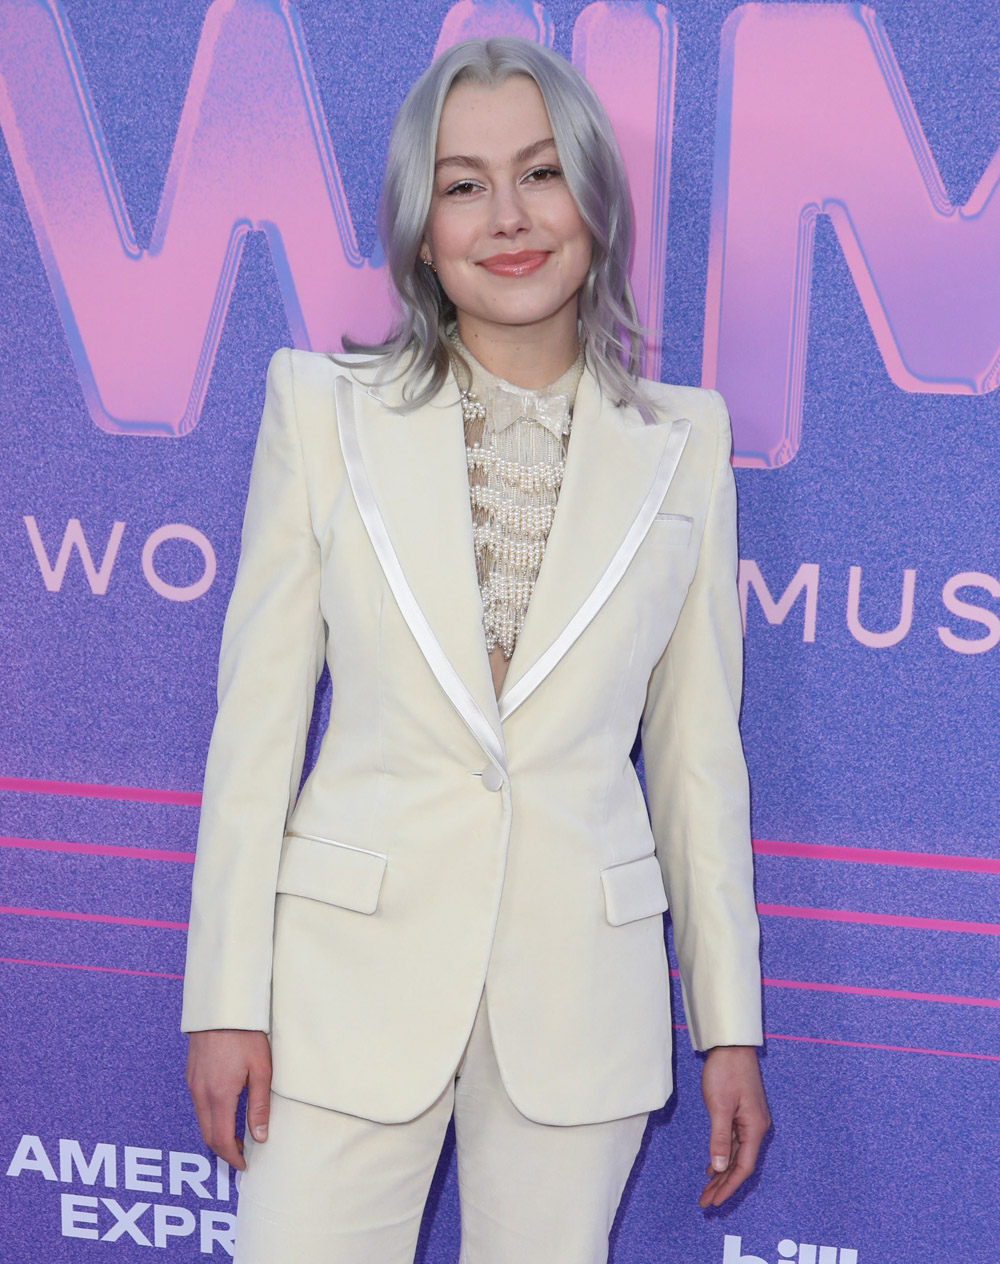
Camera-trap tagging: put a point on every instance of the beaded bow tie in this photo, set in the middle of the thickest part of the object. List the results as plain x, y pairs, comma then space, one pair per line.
506, 404
511, 404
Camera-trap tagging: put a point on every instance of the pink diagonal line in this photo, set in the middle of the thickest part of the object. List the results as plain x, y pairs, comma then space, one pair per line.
876, 856
864, 1044
72, 965
96, 849
893, 993
93, 917
91, 790
878, 919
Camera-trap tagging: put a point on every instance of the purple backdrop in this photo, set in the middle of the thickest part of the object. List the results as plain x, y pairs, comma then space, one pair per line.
185, 187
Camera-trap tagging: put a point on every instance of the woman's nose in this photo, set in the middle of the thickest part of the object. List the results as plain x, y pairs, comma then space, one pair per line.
508, 214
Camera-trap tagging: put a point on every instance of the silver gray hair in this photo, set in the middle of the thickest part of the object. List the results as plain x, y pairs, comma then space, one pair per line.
595, 175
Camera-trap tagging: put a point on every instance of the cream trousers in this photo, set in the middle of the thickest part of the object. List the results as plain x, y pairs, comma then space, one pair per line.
329, 1188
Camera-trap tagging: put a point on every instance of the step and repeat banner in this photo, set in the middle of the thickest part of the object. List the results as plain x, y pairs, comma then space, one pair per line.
185, 187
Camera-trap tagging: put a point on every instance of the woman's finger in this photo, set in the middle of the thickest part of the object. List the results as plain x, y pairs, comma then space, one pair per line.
259, 1099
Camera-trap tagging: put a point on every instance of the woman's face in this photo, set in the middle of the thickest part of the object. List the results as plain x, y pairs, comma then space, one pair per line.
504, 232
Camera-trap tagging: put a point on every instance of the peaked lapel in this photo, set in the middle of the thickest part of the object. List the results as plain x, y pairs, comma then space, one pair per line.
617, 472
410, 479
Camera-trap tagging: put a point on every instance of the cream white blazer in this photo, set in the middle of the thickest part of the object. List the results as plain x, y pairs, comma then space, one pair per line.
446, 839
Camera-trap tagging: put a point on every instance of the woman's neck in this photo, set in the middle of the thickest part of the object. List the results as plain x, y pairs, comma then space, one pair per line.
517, 355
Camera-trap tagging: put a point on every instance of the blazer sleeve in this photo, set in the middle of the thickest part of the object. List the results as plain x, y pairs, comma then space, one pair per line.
272, 652
697, 785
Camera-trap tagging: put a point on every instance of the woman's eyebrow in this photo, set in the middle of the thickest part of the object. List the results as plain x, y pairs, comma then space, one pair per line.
480, 164
532, 151
461, 160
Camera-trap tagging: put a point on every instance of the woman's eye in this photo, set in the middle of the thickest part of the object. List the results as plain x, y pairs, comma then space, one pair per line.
460, 188
539, 175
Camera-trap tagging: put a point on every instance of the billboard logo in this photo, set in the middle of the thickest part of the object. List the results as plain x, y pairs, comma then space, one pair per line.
789, 1252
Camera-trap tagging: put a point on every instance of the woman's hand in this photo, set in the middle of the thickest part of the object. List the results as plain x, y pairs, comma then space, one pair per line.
219, 1065
737, 1110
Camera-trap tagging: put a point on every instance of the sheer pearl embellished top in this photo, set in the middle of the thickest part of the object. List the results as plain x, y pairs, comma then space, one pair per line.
516, 442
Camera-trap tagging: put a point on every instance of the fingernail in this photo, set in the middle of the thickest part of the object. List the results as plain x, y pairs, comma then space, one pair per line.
260, 1132
719, 1163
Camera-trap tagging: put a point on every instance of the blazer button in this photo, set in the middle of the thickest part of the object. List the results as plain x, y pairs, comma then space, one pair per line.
492, 777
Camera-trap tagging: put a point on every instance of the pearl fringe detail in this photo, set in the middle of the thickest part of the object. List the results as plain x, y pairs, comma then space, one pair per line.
516, 455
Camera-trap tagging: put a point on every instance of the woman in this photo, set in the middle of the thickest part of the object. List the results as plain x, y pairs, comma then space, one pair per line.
460, 911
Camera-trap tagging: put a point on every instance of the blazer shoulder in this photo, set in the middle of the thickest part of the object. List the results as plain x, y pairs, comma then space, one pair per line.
305, 380
380, 377
312, 368
700, 404
703, 406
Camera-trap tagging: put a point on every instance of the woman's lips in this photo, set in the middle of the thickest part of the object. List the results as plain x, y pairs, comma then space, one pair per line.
515, 265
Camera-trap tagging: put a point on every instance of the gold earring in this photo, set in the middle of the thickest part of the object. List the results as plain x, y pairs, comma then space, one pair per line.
429, 263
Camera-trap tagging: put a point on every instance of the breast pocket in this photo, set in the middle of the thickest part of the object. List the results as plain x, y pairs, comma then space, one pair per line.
673, 529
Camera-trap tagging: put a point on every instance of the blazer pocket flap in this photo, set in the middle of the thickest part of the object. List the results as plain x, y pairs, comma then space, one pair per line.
633, 890
334, 873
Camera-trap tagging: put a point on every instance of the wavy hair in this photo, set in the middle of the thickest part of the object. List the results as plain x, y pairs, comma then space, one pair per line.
595, 175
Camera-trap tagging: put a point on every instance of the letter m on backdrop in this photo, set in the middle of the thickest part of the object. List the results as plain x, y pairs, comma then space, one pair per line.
814, 118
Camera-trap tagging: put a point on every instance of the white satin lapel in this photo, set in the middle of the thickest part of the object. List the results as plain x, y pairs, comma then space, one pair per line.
617, 472
410, 481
